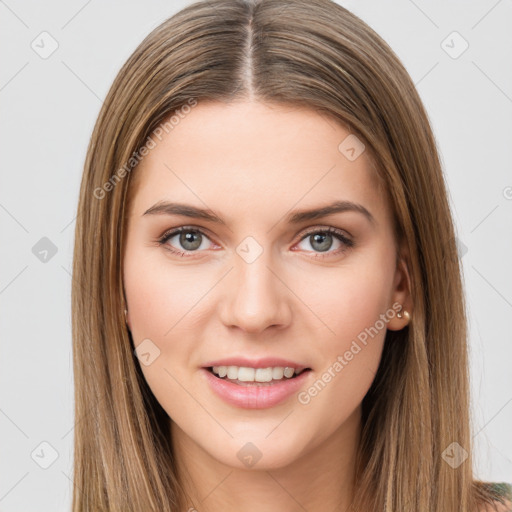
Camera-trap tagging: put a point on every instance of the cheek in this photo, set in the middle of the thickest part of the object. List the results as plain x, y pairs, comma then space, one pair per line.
348, 300
157, 295
158, 299
165, 302
353, 303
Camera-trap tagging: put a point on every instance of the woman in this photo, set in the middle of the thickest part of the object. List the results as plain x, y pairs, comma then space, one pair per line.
267, 303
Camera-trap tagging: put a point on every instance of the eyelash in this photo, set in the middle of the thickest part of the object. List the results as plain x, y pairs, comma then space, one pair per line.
348, 243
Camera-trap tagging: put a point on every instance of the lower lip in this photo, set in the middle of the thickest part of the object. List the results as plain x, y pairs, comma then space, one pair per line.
254, 396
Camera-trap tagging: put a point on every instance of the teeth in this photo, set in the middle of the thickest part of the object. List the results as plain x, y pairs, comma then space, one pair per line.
232, 372
277, 372
288, 372
263, 375
246, 374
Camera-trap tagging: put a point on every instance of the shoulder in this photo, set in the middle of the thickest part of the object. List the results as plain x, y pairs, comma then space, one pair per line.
503, 498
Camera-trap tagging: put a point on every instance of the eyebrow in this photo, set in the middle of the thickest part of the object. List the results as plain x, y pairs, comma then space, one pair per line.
168, 208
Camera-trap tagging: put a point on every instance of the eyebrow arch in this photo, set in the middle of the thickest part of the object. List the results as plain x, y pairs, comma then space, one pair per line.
167, 208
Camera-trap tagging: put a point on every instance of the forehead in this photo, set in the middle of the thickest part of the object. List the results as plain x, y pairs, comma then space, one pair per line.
256, 159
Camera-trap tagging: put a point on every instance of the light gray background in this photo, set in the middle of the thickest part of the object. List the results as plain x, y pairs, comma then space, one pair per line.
48, 108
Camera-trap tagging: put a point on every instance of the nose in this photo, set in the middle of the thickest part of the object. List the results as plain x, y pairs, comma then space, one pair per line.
256, 296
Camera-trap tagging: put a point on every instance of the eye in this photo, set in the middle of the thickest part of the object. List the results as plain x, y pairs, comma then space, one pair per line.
322, 240
188, 238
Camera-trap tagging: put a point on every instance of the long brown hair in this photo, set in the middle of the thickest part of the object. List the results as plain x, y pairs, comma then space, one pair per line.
312, 53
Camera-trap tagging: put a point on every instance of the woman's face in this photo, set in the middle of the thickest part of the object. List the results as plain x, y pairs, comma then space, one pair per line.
255, 282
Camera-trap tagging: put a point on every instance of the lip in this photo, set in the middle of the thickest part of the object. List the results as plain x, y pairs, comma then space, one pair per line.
263, 362
254, 396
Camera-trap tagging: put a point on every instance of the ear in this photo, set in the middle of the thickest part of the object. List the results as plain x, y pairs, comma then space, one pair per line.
401, 293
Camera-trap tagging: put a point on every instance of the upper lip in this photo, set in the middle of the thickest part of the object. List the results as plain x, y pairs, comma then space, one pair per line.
263, 362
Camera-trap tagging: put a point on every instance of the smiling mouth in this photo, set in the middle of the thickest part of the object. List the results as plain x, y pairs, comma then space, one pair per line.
245, 376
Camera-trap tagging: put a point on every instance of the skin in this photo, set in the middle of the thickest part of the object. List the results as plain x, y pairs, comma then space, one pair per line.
251, 164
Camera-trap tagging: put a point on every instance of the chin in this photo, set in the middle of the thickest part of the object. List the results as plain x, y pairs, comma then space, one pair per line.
256, 452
